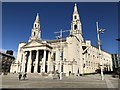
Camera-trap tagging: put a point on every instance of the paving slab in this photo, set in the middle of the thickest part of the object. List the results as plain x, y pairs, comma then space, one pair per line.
89, 81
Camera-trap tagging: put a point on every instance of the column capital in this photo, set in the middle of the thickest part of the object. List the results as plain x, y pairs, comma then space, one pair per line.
37, 50
45, 49
24, 51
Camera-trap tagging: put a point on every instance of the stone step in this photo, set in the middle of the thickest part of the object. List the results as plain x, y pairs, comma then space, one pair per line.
10, 75
34, 75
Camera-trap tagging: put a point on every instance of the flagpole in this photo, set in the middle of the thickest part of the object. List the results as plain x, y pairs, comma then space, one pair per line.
99, 43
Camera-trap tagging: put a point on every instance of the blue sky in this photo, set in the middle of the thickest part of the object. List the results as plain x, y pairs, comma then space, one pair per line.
18, 19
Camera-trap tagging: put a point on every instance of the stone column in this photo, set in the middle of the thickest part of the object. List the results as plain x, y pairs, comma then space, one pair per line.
19, 62
57, 59
23, 62
44, 60
36, 62
66, 69
29, 62
49, 63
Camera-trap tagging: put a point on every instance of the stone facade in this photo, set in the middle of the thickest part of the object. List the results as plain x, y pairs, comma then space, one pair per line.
6, 60
78, 56
116, 61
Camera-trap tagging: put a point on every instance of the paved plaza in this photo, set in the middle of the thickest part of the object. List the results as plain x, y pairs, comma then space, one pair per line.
37, 81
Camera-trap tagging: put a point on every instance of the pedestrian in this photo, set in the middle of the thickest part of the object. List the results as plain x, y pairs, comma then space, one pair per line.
24, 76
20, 75
59, 76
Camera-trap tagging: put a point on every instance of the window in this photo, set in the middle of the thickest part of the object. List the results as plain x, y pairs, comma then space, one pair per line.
61, 55
54, 68
89, 63
75, 27
54, 55
35, 25
86, 63
75, 17
34, 33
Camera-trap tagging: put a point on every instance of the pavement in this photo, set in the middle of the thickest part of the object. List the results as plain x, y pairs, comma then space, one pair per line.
38, 81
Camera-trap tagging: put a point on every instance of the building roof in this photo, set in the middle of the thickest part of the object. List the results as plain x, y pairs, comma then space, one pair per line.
101, 49
8, 55
40, 42
56, 40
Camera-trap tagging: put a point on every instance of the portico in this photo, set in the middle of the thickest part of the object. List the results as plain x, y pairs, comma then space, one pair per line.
36, 60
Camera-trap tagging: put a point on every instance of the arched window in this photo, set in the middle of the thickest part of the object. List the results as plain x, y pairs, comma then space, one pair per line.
75, 17
35, 25
75, 27
89, 63
34, 33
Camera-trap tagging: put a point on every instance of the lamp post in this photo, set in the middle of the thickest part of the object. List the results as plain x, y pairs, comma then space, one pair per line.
61, 54
61, 50
60, 37
99, 31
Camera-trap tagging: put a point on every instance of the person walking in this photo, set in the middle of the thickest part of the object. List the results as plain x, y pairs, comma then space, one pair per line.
20, 75
24, 76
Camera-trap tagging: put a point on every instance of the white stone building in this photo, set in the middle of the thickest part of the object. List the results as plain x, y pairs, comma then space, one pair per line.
78, 55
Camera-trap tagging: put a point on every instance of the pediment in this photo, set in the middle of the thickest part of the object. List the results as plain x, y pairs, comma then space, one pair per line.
33, 43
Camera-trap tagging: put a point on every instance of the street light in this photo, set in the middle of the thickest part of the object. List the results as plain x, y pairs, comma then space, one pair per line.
61, 50
60, 37
99, 31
